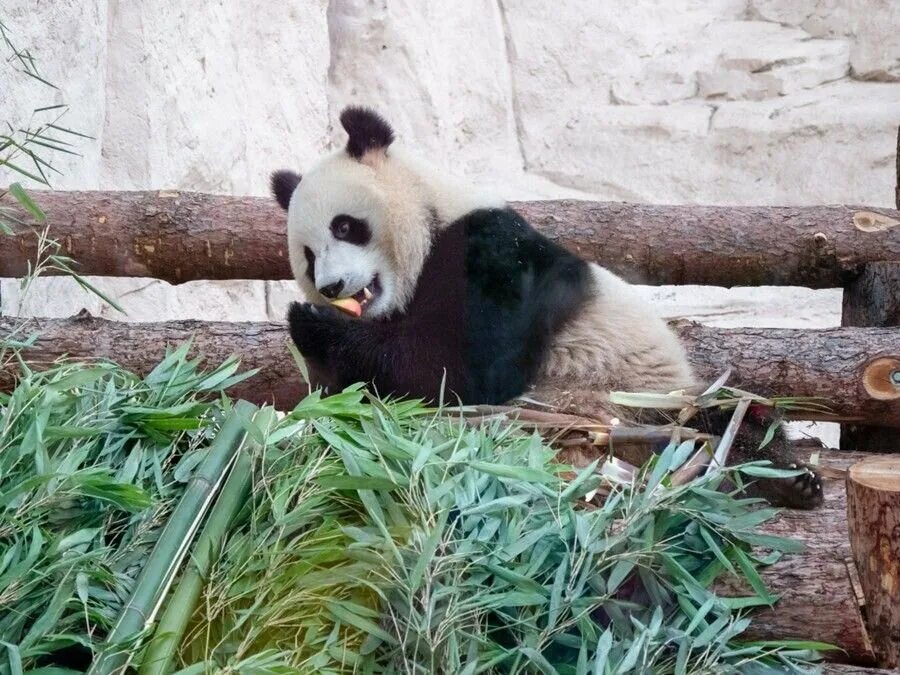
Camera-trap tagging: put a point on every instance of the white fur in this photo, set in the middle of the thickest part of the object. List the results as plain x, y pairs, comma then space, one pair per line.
398, 196
617, 342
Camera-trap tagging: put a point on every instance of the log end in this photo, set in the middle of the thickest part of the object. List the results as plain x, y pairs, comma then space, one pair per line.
877, 473
881, 378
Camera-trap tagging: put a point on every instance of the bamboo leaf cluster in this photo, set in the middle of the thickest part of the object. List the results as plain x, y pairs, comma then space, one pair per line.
351, 535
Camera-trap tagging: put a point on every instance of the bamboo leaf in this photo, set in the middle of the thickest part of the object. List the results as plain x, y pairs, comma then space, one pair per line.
17, 191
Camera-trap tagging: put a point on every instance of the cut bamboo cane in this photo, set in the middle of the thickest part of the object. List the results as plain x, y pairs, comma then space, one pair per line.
173, 623
873, 516
165, 558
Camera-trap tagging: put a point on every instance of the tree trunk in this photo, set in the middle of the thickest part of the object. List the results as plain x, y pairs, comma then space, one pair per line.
182, 236
872, 299
827, 363
873, 515
816, 589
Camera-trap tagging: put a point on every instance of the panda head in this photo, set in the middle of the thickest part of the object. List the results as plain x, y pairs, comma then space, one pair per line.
360, 221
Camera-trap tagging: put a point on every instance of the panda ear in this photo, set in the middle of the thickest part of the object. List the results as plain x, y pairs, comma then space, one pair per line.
283, 185
367, 130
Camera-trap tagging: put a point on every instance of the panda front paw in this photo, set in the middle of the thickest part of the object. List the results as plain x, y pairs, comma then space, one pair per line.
804, 491
316, 329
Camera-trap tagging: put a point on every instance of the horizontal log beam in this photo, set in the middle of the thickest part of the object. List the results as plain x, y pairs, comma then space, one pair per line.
857, 370
184, 236
831, 363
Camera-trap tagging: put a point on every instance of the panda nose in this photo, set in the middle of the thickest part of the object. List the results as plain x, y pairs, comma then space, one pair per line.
331, 291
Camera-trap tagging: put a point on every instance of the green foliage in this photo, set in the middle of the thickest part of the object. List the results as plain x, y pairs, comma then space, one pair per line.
28, 150
396, 539
379, 536
91, 462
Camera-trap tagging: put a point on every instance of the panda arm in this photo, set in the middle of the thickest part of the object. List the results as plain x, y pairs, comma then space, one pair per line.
406, 356
522, 288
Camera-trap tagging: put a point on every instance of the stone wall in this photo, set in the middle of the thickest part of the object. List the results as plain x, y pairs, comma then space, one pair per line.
716, 101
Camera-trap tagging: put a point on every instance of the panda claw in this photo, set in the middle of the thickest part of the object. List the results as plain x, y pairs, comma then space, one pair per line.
797, 492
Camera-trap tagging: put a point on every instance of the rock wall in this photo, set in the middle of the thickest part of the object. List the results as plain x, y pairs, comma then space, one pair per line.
716, 101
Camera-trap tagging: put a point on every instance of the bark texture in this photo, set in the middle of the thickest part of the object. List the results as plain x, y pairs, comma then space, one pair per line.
182, 236
816, 588
830, 363
138, 347
872, 299
873, 516
825, 363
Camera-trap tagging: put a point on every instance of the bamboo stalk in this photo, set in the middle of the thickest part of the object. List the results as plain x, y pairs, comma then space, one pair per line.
173, 544
720, 456
172, 625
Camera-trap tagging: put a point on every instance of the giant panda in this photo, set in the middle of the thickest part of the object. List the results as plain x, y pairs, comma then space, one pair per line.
460, 296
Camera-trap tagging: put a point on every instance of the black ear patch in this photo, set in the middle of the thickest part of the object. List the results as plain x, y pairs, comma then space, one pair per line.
283, 184
367, 131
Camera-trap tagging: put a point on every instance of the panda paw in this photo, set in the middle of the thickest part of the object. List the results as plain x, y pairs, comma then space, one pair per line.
796, 492
316, 329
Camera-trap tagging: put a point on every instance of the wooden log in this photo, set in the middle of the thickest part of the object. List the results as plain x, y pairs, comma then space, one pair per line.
818, 598
872, 299
873, 516
848, 367
139, 346
828, 363
182, 236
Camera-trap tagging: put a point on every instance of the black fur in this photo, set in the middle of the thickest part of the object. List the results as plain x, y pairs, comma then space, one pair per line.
367, 130
283, 184
350, 229
521, 290
799, 492
310, 263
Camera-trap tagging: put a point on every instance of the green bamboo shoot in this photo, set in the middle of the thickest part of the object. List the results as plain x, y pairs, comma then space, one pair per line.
174, 542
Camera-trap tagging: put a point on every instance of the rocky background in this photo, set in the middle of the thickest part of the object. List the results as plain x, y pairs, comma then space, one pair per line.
666, 101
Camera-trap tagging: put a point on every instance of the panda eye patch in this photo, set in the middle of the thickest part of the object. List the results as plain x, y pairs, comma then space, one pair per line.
350, 229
